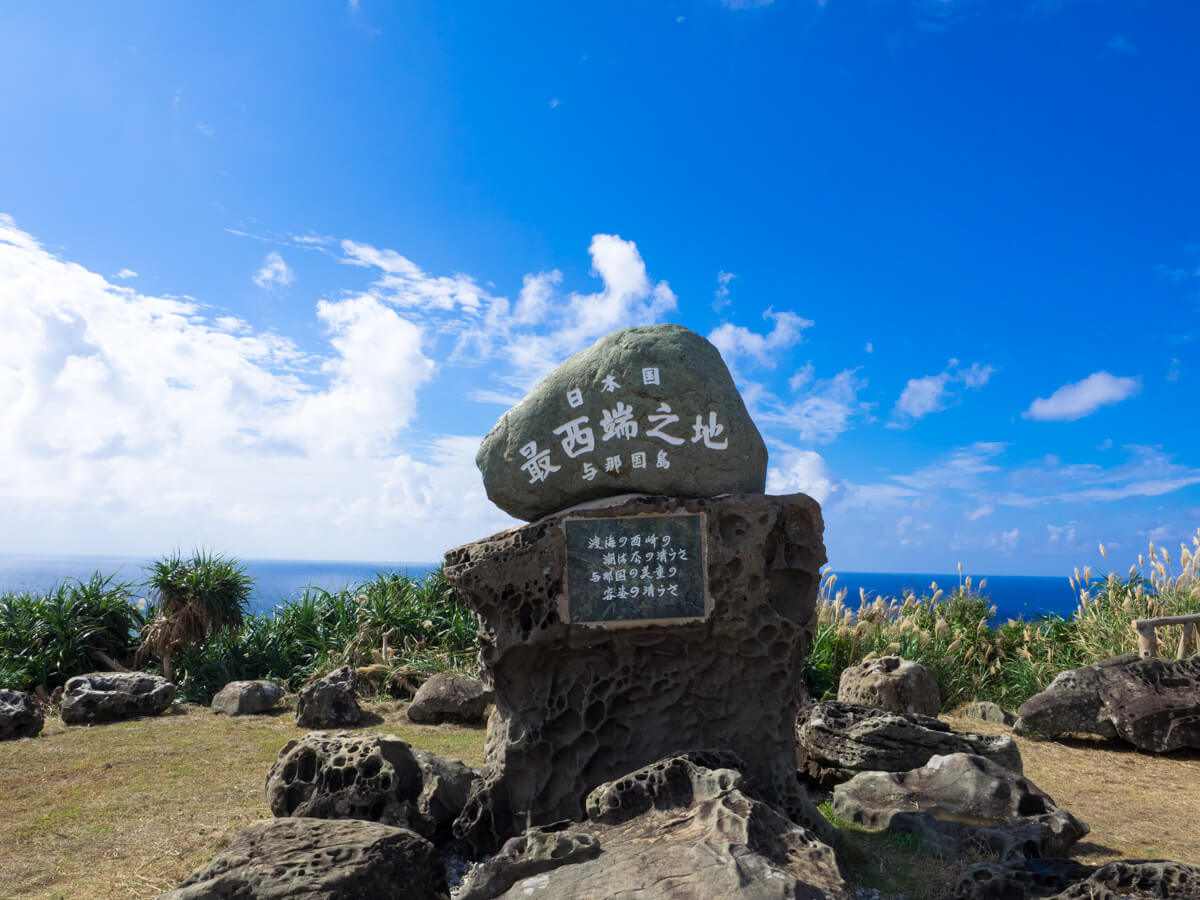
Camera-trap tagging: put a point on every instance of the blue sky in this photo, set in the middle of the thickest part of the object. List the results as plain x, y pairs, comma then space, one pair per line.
268, 274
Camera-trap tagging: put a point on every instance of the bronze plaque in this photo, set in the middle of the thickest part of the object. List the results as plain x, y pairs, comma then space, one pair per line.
636, 569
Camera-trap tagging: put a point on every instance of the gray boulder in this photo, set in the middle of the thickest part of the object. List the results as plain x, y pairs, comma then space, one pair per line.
447, 697
835, 741
649, 410
1066, 879
315, 859
113, 696
247, 698
368, 776
20, 716
1152, 703
960, 804
329, 702
987, 711
891, 683
673, 829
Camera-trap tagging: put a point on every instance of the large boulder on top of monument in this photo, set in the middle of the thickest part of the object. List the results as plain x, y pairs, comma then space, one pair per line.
368, 776
113, 696
958, 804
20, 716
835, 741
630, 629
649, 410
891, 683
673, 829
315, 859
1152, 703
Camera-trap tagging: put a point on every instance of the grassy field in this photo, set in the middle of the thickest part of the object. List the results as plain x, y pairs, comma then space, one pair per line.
130, 809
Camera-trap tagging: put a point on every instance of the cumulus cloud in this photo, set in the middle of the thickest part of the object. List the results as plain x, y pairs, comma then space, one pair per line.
737, 342
273, 273
1082, 398
803, 471
127, 273
933, 393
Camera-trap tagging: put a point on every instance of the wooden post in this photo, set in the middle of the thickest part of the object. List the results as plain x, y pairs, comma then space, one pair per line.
1147, 642
1184, 639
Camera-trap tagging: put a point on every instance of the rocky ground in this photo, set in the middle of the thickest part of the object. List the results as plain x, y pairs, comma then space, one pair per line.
130, 809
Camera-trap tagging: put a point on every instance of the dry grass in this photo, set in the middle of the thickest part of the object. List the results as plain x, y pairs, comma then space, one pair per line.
130, 809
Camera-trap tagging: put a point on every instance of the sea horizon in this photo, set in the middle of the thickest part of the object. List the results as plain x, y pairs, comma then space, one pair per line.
280, 580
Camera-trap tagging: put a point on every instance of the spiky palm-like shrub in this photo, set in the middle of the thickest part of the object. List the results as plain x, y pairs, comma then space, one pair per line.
193, 599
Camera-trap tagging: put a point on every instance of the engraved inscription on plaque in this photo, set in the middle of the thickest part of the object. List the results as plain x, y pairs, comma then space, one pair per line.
636, 569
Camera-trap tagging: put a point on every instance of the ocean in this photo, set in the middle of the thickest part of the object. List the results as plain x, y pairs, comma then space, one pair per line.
277, 580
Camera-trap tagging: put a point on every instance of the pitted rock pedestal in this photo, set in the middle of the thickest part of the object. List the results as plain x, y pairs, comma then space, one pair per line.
582, 703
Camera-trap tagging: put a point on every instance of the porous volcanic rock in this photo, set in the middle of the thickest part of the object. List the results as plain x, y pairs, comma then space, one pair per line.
673, 829
368, 776
1066, 879
1152, 703
579, 704
113, 696
449, 697
987, 711
247, 698
20, 716
317, 859
660, 391
961, 803
835, 741
329, 702
891, 683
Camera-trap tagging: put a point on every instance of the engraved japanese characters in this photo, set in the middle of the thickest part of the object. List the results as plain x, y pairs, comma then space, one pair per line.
644, 410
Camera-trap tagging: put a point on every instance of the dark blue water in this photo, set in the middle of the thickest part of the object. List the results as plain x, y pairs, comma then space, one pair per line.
275, 580
1014, 596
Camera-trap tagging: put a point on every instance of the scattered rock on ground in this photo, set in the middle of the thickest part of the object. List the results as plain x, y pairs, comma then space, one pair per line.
448, 697
246, 698
368, 776
661, 391
672, 829
891, 683
1066, 879
987, 711
20, 715
113, 696
835, 741
1152, 703
319, 859
329, 702
959, 804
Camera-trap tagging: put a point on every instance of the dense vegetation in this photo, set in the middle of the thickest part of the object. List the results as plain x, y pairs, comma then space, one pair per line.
397, 629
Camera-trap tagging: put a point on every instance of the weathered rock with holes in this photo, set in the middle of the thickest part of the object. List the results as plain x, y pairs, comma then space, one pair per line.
579, 704
247, 698
1066, 879
20, 716
1152, 703
987, 711
835, 741
448, 697
673, 829
368, 776
113, 696
958, 804
661, 391
329, 702
893, 684
314, 859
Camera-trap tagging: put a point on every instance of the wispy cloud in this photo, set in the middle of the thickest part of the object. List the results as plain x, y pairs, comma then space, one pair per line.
274, 272
721, 294
126, 273
406, 284
746, 4
932, 393
1082, 398
205, 129
737, 342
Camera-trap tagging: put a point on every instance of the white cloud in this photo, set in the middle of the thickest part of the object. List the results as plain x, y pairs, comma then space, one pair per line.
933, 393
821, 413
405, 284
1148, 473
869, 347
205, 129
273, 273
721, 294
985, 509
1005, 540
1082, 398
736, 341
127, 273
962, 469
802, 471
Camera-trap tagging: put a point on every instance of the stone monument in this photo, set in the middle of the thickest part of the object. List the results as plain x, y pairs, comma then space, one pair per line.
657, 602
